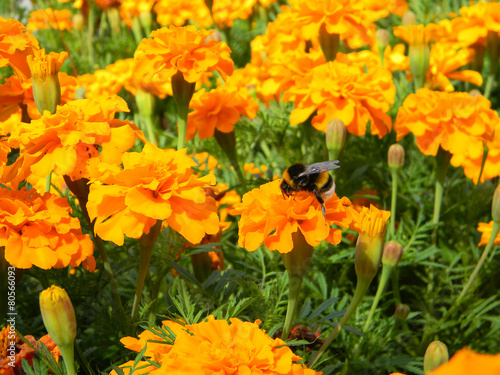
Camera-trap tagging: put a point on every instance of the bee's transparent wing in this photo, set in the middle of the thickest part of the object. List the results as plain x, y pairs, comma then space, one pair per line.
324, 166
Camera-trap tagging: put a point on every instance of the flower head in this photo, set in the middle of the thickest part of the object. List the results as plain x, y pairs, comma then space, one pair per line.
468, 362
15, 46
39, 231
215, 346
177, 13
457, 122
267, 217
49, 18
226, 11
153, 185
219, 109
185, 50
340, 91
65, 141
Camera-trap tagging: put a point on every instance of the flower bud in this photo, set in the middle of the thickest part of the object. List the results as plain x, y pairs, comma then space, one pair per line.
115, 20
393, 251
495, 207
475, 93
44, 74
396, 156
336, 134
216, 35
435, 355
58, 316
419, 54
401, 313
78, 22
146, 20
329, 43
382, 36
409, 18
368, 253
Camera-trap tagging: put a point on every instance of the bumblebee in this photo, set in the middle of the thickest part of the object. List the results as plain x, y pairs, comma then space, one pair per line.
313, 178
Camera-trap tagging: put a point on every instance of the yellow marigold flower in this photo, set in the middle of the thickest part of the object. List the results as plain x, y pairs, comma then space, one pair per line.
458, 122
219, 109
130, 9
226, 11
39, 231
397, 7
267, 217
343, 17
177, 13
15, 46
153, 185
444, 62
395, 58
339, 91
42, 19
108, 81
215, 346
65, 141
418, 34
142, 77
186, 50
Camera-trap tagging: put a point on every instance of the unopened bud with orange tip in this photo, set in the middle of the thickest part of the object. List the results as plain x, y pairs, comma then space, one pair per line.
401, 313
44, 75
336, 134
58, 315
372, 225
419, 54
435, 355
396, 156
409, 18
393, 251
329, 42
495, 207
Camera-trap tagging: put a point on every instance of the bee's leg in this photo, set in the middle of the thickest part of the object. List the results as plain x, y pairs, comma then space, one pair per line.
321, 201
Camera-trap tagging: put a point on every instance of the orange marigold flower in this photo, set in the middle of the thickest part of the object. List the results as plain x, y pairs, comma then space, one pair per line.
485, 230
39, 231
153, 185
10, 340
226, 11
15, 46
468, 362
343, 17
65, 141
186, 50
203, 348
340, 91
177, 13
267, 217
104, 4
458, 122
418, 34
395, 58
370, 221
144, 78
219, 109
42, 19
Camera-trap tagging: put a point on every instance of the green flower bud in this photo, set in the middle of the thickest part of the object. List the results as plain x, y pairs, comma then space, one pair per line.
396, 156
401, 313
495, 207
58, 315
435, 355
336, 134
393, 251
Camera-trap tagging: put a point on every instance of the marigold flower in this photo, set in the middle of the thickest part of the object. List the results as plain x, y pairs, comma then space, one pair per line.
458, 122
42, 19
468, 362
142, 77
343, 17
339, 91
21, 350
153, 185
267, 217
395, 58
39, 231
45, 79
108, 81
130, 9
186, 50
177, 13
219, 109
15, 46
219, 347
485, 229
226, 11
65, 141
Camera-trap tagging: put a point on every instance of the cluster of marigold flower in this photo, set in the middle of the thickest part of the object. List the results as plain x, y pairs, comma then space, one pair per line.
67, 143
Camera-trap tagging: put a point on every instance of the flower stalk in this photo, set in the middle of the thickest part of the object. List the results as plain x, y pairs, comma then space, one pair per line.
183, 92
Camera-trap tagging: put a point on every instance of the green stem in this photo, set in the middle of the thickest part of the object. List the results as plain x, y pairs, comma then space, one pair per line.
360, 291
227, 142
386, 272
395, 286
486, 251
90, 37
48, 182
182, 114
294, 285
394, 194
68, 354
489, 85
146, 246
442, 161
